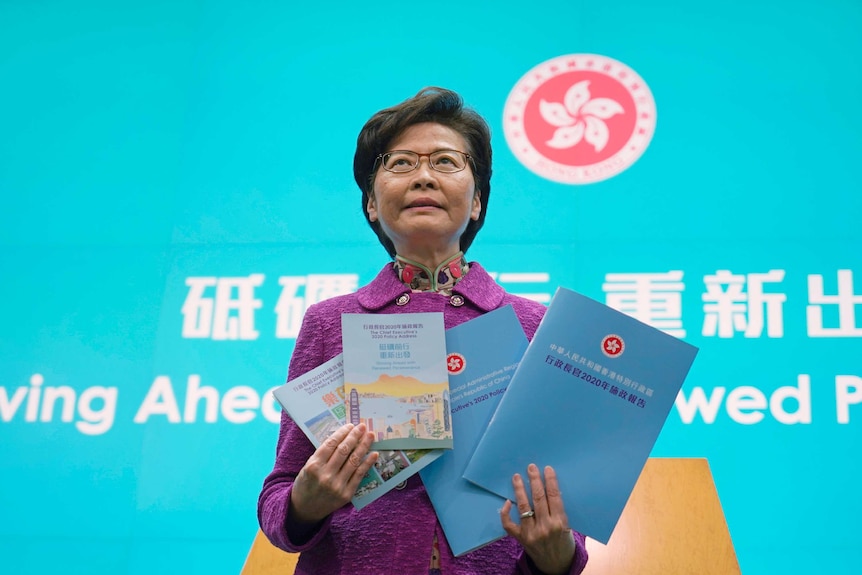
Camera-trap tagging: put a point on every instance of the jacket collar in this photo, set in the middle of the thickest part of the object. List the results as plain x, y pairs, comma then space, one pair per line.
477, 287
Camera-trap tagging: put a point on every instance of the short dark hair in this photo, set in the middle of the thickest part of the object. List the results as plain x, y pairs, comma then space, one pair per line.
429, 105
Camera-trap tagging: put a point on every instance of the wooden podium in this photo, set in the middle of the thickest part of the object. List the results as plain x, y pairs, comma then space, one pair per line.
672, 524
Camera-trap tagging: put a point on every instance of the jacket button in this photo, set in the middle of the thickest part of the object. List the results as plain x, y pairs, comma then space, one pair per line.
456, 300
402, 299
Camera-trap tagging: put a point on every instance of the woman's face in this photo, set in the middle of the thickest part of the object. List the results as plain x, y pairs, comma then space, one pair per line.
424, 212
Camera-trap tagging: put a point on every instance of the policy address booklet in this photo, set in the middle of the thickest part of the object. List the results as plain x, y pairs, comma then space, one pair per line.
315, 402
483, 354
395, 378
589, 398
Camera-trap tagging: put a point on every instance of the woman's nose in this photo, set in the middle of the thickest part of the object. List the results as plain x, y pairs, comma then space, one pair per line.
424, 175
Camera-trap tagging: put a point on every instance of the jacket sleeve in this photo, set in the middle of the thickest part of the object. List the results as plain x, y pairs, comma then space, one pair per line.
293, 449
527, 567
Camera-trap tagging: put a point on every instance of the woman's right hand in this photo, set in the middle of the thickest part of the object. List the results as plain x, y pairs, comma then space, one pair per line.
332, 474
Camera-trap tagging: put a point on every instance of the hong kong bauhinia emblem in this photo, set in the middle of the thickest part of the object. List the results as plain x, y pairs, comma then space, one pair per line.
613, 345
579, 119
455, 363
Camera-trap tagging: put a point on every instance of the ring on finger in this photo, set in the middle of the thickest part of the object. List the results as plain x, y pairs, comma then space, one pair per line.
527, 514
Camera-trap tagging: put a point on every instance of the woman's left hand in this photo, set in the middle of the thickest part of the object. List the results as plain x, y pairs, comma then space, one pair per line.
545, 536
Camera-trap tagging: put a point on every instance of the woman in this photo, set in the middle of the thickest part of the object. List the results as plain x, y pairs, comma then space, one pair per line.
424, 168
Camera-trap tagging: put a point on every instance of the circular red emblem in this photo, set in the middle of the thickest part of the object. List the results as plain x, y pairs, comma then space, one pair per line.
613, 345
579, 119
455, 363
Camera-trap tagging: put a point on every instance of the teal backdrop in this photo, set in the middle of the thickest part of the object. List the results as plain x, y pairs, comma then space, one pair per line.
176, 184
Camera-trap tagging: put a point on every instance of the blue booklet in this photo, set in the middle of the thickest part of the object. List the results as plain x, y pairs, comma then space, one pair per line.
482, 356
589, 398
315, 402
395, 378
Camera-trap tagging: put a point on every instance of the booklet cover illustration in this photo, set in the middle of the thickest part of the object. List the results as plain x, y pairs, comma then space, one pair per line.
483, 355
395, 379
315, 401
589, 398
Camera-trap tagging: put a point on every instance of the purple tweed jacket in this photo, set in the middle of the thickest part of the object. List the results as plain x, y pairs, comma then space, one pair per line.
393, 534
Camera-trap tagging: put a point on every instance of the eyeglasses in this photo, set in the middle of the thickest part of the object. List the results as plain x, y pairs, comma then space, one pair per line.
402, 161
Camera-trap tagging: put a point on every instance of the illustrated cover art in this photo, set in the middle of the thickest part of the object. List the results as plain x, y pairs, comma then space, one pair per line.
315, 401
395, 379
